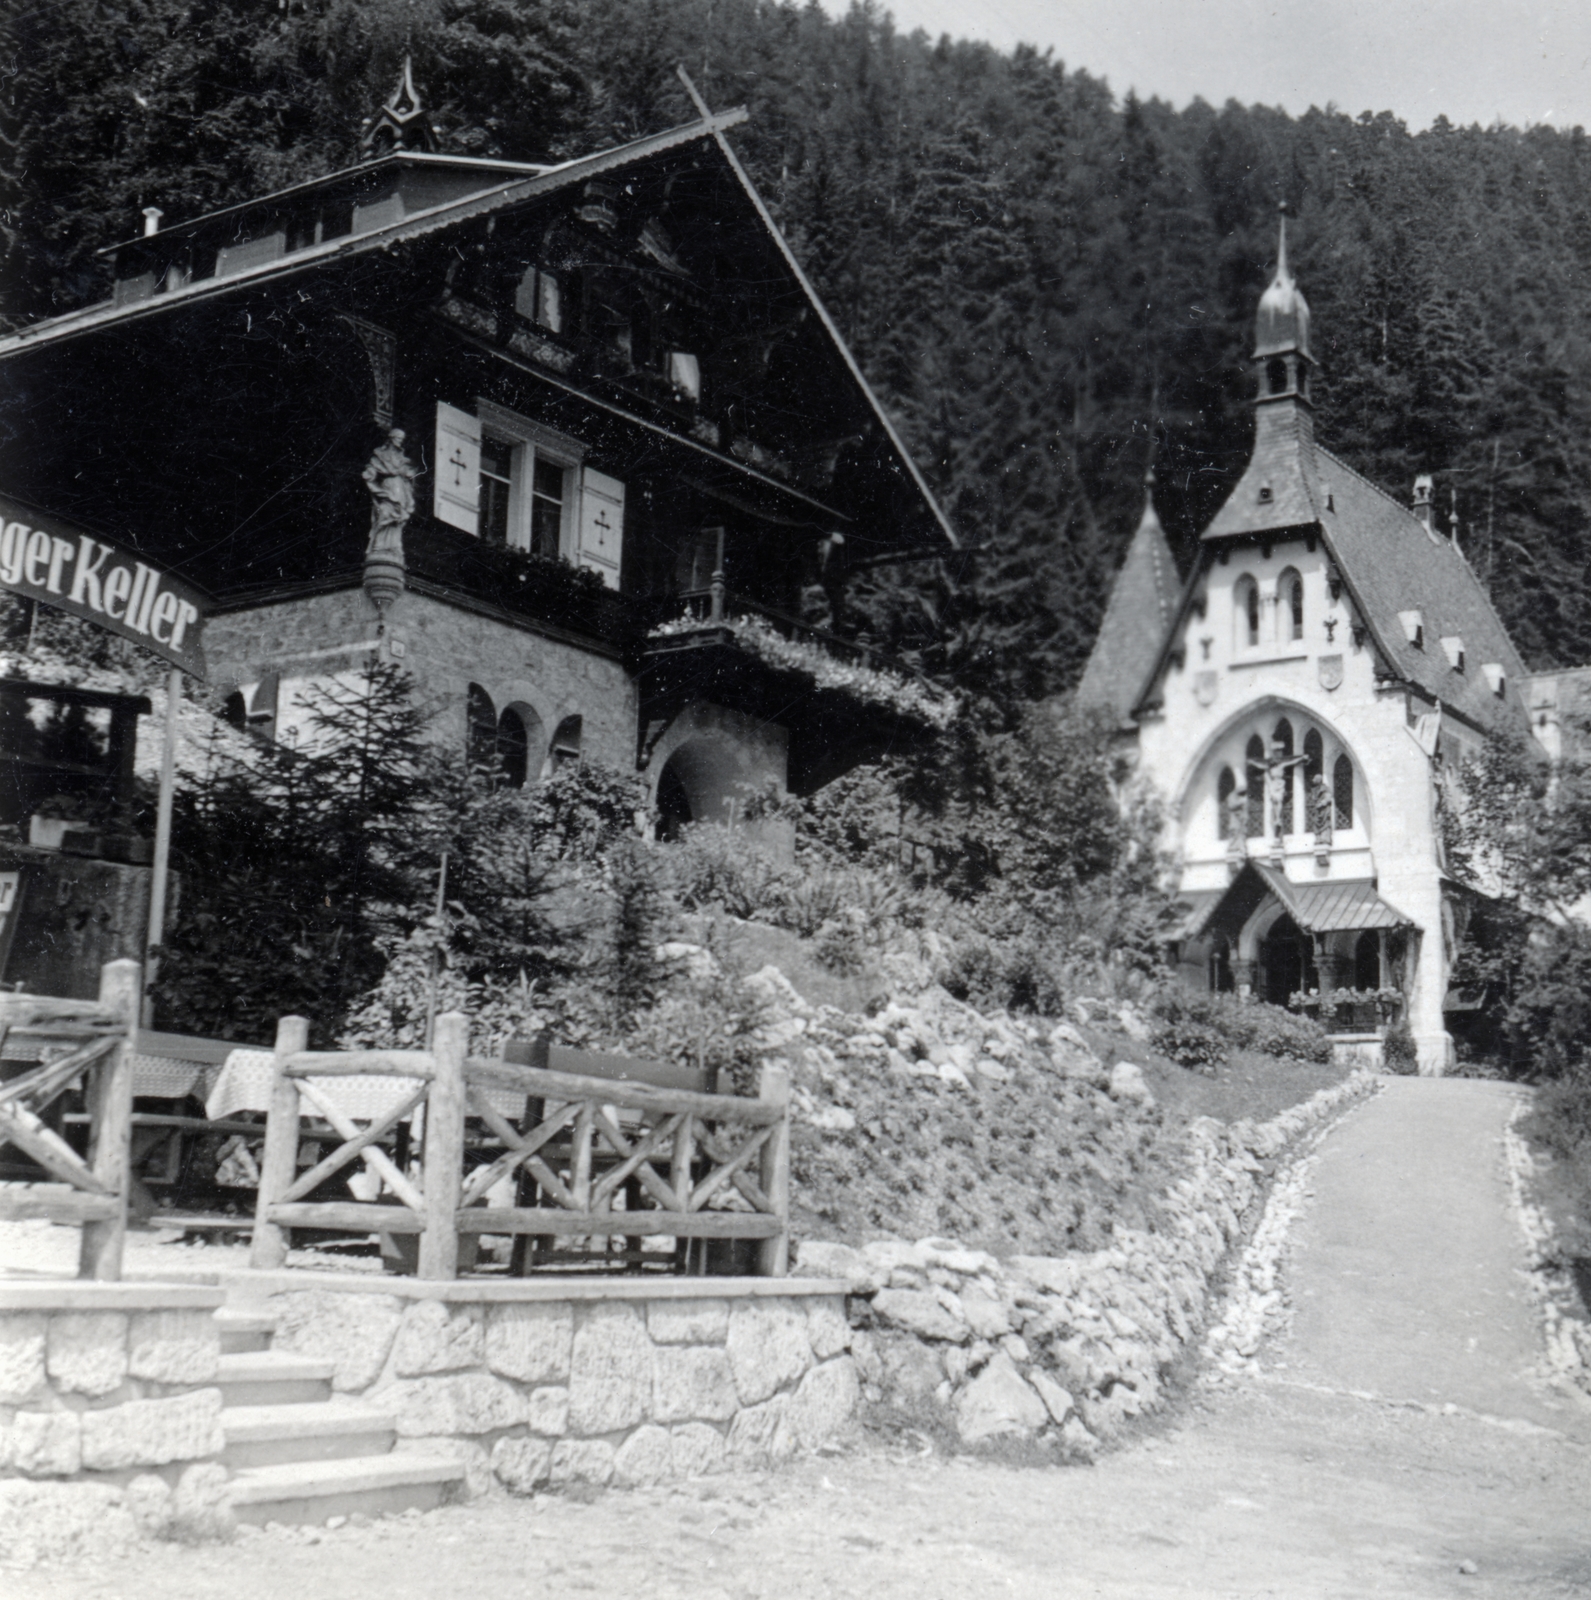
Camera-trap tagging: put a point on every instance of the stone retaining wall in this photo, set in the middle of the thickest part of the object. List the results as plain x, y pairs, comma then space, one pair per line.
110, 1419
1061, 1349
531, 1383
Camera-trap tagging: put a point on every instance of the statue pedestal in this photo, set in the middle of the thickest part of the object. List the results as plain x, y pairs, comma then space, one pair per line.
383, 579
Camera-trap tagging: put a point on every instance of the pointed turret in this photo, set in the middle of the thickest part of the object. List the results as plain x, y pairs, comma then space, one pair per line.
403, 123
1281, 490
1142, 600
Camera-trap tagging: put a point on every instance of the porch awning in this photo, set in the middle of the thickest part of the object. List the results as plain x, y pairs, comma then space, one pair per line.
1337, 905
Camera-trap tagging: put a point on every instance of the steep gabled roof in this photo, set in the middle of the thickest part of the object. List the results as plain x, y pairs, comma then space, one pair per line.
1143, 599
502, 187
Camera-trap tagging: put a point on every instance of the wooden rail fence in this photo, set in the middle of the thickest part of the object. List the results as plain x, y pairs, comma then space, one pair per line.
88, 1041
707, 1166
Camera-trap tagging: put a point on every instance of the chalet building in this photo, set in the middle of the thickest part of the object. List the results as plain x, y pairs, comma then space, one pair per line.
1302, 703
573, 444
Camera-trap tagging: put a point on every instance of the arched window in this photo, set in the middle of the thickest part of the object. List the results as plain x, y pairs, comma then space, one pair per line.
513, 749
1290, 604
1224, 785
1283, 740
480, 737
1246, 599
673, 804
1254, 822
565, 751
1342, 791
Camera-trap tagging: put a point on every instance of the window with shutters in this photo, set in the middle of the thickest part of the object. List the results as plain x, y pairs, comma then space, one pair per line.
538, 298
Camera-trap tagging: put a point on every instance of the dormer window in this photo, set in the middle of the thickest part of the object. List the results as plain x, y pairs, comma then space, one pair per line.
1453, 649
1496, 679
1413, 628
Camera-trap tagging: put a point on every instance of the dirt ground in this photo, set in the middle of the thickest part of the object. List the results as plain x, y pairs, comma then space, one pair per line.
1398, 1440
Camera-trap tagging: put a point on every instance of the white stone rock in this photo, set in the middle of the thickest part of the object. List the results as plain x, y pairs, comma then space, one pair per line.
86, 1351
459, 1403
910, 1370
42, 1444
950, 1256
201, 1504
548, 1411
1127, 1082
887, 1254
693, 1383
998, 1402
1056, 1400
687, 1321
582, 1461
174, 1346
645, 1458
63, 1522
767, 1346
985, 1316
530, 1342
1055, 1274
828, 1332
919, 1313
1016, 1347
436, 1337
151, 1433
824, 1404
149, 1500
758, 1433
520, 1465
352, 1331
610, 1370
21, 1356
698, 1450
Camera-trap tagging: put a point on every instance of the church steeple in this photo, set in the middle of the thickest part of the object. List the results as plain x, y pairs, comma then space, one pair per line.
1281, 333
403, 123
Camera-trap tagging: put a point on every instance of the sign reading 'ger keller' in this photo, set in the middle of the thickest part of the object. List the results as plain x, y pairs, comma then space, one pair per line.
49, 560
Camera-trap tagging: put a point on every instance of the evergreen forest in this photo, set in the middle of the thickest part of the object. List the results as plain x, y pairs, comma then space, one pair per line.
1049, 287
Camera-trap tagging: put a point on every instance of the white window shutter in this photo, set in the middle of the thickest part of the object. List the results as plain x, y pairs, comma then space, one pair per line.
458, 468
549, 305
601, 525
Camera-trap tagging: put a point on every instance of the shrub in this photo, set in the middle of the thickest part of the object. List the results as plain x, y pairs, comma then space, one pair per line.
1398, 1053
1186, 1014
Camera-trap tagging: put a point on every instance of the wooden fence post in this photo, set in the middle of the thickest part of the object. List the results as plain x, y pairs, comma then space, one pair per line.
280, 1160
773, 1255
110, 1110
444, 1148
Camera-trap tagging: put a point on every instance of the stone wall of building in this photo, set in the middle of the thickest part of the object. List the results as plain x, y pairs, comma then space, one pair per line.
445, 648
536, 1383
110, 1418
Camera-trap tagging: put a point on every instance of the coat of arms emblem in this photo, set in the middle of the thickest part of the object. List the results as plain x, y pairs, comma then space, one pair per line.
1204, 687
1331, 672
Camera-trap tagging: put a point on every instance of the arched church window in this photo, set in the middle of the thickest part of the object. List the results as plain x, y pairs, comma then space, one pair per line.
1254, 822
480, 737
1224, 785
1247, 598
1291, 592
513, 749
1283, 740
1342, 791
1314, 772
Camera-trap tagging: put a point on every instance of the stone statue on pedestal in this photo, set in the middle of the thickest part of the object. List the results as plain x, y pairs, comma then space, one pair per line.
389, 476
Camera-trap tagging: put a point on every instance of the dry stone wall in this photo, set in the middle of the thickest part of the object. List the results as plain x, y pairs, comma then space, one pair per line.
634, 1387
1062, 1349
110, 1418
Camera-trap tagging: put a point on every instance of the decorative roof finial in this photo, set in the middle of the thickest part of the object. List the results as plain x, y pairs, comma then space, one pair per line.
1282, 209
403, 122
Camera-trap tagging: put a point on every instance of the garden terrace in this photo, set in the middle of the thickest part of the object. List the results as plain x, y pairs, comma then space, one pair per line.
844, 702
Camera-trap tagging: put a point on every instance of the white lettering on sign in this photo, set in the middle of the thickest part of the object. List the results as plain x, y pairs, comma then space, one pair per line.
103, 584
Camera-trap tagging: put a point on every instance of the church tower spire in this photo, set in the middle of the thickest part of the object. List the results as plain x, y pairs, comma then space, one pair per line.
1281, 333
403, 123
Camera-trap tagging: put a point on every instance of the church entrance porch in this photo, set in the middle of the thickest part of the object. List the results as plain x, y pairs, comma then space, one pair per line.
1286, 963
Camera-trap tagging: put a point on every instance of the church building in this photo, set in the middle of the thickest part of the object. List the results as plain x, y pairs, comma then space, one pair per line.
1301, 703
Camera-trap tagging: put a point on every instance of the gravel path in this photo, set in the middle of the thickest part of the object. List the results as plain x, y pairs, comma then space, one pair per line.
1396, 1439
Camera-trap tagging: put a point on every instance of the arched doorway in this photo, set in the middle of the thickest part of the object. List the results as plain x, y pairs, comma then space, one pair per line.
673, 803
1286, 962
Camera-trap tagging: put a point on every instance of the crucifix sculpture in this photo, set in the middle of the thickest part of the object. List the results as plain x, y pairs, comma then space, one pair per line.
1277, 773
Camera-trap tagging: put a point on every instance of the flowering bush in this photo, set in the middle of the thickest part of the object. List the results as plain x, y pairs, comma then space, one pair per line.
1386, 1000
909, 696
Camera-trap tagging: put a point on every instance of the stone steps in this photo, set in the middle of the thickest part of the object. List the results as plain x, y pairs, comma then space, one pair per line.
322, 1430
297, 1454
308, 1492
